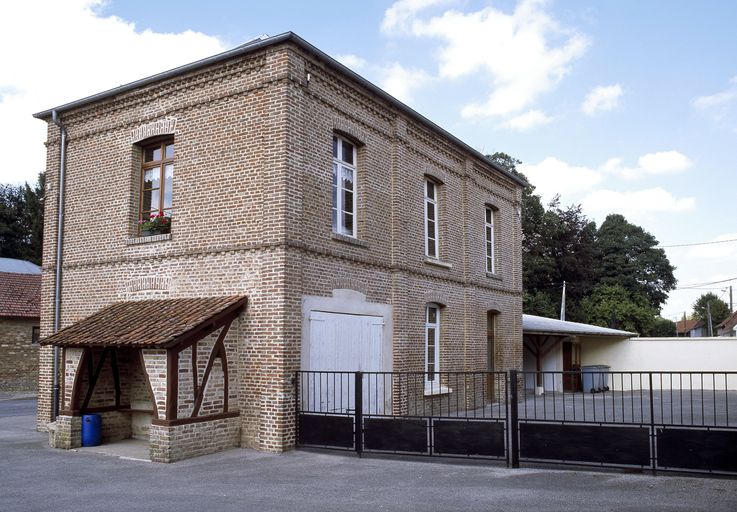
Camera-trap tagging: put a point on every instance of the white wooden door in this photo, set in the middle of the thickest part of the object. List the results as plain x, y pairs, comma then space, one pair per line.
345, 343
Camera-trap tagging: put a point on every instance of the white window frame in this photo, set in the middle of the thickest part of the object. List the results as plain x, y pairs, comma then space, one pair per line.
431, 380
434, 235
338, 212
489, 236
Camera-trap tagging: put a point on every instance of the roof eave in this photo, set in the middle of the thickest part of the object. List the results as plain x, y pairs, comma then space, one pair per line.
265, 43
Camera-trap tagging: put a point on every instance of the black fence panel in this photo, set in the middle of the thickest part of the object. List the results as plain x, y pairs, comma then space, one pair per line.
469, 438
697, 449
326, 431
605, 445
395, 435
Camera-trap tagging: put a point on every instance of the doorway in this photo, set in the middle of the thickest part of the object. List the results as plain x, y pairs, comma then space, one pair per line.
490, 364
571, 363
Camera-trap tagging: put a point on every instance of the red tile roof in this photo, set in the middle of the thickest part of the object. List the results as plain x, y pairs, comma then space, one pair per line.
683, 326
147, 323
729, 322
20, 295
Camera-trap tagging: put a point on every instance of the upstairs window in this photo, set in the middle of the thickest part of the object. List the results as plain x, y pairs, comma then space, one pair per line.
157, 175
344, 187
431, 219
490, 243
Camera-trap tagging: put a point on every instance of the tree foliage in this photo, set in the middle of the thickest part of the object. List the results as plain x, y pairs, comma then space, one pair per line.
21, 221
616, 307
662, 328
719, 310
628, 256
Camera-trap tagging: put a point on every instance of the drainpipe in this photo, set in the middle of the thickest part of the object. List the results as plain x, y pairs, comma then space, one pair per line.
57, 279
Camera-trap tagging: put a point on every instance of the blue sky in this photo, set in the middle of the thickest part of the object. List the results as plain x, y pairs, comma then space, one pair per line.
623, 106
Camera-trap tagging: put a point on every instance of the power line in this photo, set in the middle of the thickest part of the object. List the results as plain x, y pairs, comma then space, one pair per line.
697, 243
697, 286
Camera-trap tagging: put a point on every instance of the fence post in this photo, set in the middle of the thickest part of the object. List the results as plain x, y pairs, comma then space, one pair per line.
358, 409
513, 419
653, 461
297, 407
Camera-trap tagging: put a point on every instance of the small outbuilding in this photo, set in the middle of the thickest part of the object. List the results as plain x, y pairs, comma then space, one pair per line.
555, 345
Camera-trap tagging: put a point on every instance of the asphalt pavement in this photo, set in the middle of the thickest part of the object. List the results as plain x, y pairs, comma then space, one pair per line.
36, 477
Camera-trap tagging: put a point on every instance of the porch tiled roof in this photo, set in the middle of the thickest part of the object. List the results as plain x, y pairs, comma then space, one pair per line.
148, 323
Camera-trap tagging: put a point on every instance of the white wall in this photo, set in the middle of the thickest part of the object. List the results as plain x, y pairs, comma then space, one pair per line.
679, 355
552, 362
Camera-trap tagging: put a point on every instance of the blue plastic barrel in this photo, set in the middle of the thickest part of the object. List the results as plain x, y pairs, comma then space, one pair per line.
91, 429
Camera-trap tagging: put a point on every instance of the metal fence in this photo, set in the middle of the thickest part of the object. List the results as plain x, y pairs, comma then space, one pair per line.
662, 421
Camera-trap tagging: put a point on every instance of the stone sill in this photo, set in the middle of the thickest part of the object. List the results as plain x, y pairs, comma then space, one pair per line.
148, 239
349, 240
435, 390
492, 275
438, 263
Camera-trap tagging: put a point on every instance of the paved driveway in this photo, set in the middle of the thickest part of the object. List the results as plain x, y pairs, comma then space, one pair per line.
35, 477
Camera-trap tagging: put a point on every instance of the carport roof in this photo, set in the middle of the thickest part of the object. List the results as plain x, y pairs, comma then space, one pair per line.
147, 323
532, 324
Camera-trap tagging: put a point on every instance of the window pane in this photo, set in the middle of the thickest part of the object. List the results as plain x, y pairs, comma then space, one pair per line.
431, 251
488, 233
146, 203
430, 229
152, 154
430, 189
348, 224
169, 150
347, 178
348, 201
155, 200
430, 211
335, 220
432, 316
151, 178
488, 215
168, 179
335, 147
347, 152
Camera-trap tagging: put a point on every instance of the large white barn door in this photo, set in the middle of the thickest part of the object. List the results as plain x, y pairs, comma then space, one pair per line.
345, 343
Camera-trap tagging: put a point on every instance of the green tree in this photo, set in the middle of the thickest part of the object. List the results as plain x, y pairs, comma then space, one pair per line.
21, 221
628, 256
618, 308
719, 311
662, 328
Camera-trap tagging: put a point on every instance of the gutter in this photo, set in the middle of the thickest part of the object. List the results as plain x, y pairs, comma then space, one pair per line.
259, 44
57, 278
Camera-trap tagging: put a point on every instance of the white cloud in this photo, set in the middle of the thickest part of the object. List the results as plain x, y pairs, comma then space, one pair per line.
520, 55
401, 82
634, 204
664, 162
352, 61
57, 52
602, 98
401, 13
527, 121
553, 176
720, 99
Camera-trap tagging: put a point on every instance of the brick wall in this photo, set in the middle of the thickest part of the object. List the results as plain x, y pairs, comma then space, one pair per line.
18, 356
252, 197
170, 444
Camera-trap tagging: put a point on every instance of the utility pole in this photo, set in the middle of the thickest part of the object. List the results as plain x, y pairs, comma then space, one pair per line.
709, 329
730, 299
563, 303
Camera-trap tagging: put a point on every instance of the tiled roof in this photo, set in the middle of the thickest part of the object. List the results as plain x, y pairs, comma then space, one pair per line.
683, 326
729, 322
147, 323
541, 324
20, 295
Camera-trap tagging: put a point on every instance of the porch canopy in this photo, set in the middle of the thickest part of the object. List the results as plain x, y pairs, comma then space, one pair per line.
163, 323
541, 335
107, 356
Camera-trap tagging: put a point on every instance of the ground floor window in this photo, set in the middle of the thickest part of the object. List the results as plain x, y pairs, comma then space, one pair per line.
432, 341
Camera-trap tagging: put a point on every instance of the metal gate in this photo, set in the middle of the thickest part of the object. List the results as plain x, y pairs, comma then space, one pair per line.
448, 414
658, 421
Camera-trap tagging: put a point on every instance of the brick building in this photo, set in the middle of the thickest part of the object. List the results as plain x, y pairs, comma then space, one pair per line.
301, 208
20, 297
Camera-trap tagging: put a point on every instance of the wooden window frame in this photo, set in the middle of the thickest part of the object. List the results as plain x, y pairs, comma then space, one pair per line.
337, 186
161, 164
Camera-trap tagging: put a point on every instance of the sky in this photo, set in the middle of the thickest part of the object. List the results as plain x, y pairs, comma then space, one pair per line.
621, 106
